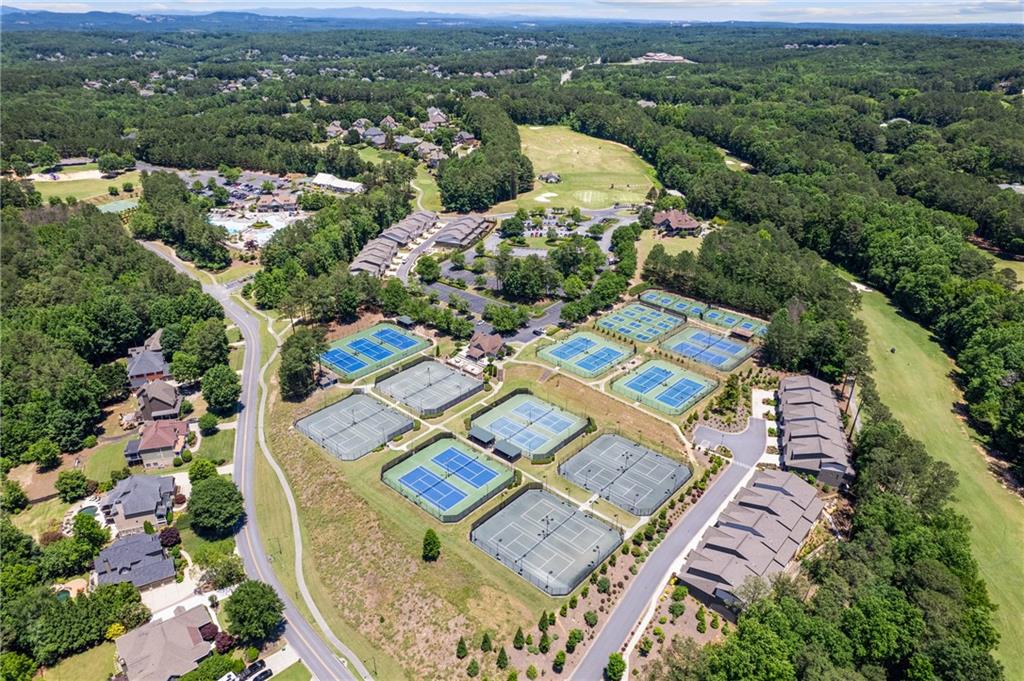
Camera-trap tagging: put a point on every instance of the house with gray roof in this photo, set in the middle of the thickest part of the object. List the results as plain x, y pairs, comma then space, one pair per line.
136, 558
463, 231
166, 649
158, 400
374, 136
812, 439
146, 362
756, 536
436, 116
137, 499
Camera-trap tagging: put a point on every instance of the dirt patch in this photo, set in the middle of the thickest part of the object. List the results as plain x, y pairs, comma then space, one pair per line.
336, 330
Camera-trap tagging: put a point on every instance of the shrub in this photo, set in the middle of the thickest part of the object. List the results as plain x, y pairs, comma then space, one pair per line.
473, 669
531, 672
574, 639
559, 662
224, 642
208, 424
177, 462
251, 653
71, 485
186, 408
460, 649
186, 456
170, 536
677, 608
502, 661
545, 643
590, 617
518, 641
148, 528
604, 585
485, 643
646, 644
114, 630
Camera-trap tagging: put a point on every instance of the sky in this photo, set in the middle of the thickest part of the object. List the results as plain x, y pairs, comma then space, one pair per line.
859, 11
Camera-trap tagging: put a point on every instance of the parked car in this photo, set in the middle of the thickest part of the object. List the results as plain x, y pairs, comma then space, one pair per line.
263, 675
253, 669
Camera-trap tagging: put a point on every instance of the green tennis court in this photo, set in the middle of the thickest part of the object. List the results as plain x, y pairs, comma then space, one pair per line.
586, 354
364, 352
664, 386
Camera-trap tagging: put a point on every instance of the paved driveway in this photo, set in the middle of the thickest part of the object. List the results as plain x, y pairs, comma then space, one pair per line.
746, 448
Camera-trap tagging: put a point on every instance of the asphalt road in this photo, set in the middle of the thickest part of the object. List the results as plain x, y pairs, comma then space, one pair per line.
306, 641
746, 448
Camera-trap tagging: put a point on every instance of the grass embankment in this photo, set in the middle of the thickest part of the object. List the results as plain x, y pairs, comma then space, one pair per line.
38, 518
673, 245
297, 672
914, 382
595, 173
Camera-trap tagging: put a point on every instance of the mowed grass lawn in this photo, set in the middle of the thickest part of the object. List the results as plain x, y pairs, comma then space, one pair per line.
297, 672
595, 173
431, 194
95, 664
914, 383
86, 189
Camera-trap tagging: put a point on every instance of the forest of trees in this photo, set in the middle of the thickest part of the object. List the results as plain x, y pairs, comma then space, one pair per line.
496, 171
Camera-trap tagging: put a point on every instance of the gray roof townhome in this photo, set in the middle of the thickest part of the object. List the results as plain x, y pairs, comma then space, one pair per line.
813, 440
146, 362
463, 231
388, 122
375, 257
136, 499
136, 558
756, 536
158, 400
436, 116
169, 649
410, 228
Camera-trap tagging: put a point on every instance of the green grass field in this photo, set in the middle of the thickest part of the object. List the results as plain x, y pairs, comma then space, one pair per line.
39, 518
105, 460
914, 383
95, 664
595, 173
86, 189
201, 550
297, 672
424, 181
220, 445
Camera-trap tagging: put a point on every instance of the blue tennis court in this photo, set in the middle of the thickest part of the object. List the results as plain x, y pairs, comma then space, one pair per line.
648, 379
639, 322
711, 348
465, 467
600, 359
432, 488
674, 303
699, 353
531, 411
344, 361
553, 422
370, 349
394, 339
505, 427
680, 392
573, 347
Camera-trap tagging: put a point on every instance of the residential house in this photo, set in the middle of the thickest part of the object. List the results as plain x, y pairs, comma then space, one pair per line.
375, 137
388, 123
158, 400
335, 129
676, 222
146, 362
410, 228
463, 231
362, 124
483, 345
406, 142
335, 184
813, 440
158, 444
138, 559
646, 103
436, 116
167, 649
478, 94
137, 499
428, 126
424, 149
375, 257
465, 138
435, 158
756, 536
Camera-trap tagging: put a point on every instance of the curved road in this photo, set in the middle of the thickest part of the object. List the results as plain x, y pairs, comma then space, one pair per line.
618, 628
300, 634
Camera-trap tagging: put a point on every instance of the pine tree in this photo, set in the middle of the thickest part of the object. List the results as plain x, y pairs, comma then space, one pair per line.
519, 641
473, 669
460, 649
543, 623
502, 662
485, 643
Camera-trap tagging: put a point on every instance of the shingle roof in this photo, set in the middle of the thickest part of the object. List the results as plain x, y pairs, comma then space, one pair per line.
136, 558
164, 434
757, 534
161, 650
140, 495
812, 436
146, 362
463, 230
